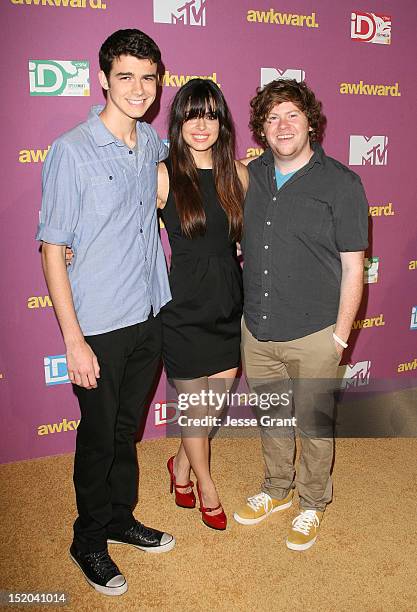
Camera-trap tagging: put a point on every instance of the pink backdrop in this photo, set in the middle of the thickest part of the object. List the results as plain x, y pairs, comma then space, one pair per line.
222, 41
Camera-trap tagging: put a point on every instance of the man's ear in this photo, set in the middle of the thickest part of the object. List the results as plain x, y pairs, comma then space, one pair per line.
103, 80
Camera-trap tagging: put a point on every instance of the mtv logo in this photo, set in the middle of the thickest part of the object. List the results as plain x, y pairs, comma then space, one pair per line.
370, 272
166, 412
413, 322
56, 372
271, 74
366, 150
59, 78
371, 28
191, 13
356, 375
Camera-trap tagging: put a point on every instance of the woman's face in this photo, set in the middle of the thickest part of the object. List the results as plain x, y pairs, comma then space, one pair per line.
200, 133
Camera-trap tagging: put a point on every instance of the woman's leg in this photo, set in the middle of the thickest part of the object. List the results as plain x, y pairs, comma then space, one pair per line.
194, 450
220, 384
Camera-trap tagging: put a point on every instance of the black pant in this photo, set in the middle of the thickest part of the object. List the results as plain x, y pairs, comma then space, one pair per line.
105, 466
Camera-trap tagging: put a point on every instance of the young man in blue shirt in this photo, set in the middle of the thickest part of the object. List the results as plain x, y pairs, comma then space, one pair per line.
99, 196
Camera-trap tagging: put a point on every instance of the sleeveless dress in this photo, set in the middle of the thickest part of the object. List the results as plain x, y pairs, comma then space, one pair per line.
201, 324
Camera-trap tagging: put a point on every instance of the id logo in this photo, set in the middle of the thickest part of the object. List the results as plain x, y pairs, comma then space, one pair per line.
371, 268
371, 28
271, 74
191, 13
166, 412
56, 78
413, 322
368, 151
356, 375
56, 372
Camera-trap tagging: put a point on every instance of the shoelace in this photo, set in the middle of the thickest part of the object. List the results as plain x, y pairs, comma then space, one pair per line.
102, 564
259, 500
304, 521
140, 529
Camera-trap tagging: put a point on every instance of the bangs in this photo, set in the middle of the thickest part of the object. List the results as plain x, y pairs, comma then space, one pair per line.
199, 104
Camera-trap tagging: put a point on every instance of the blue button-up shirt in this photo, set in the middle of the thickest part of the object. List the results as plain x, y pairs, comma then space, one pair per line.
99, 197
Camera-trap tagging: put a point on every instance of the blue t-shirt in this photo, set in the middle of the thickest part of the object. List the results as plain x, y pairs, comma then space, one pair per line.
282, 178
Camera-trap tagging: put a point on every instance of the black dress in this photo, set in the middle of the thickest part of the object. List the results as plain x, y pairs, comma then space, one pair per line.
201, 324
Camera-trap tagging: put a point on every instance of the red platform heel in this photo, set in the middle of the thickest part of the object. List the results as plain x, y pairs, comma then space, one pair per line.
215, 521
183, 500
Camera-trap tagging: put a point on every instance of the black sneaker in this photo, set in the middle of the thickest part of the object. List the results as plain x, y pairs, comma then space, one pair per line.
100, 571
144, 538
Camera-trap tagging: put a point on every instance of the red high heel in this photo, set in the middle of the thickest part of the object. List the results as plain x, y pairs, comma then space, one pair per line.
215, 521
183, 500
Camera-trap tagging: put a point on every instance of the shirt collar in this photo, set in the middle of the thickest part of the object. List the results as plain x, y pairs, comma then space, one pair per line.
318, 155
103, 136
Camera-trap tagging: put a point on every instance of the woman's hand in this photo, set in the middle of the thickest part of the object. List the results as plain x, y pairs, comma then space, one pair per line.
69, 254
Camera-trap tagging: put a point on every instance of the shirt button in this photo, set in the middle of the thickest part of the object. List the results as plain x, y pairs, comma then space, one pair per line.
110, 178
130, 152
266, 247
140, 202
264, 317
274, 199
268, 223
265, 271
266, 294
141, 230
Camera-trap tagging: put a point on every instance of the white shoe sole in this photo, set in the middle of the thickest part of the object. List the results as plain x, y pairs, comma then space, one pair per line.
245, 521
305, 546
111, 591
149, 549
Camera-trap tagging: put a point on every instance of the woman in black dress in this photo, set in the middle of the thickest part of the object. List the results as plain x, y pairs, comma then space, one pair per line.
200, 193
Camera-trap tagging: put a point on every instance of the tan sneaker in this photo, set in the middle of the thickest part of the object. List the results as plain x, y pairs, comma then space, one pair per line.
304, 530
258, 507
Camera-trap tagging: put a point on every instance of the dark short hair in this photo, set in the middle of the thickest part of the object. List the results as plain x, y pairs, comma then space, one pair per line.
127, 42
286, 90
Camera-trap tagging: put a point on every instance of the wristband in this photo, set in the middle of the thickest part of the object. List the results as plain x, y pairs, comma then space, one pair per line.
340, 341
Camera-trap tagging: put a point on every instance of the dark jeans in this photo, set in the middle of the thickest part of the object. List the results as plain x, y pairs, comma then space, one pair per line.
105, 466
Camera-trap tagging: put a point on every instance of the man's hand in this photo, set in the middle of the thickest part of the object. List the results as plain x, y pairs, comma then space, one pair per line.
339, 348
82, 364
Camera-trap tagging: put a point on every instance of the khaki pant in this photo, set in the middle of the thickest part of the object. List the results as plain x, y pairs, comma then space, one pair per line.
310, 364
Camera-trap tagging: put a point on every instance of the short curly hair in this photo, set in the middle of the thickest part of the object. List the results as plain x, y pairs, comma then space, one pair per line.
286, 90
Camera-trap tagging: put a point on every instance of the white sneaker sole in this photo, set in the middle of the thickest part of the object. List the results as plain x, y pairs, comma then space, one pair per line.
149, 549
111, 591
245, 521
305, 546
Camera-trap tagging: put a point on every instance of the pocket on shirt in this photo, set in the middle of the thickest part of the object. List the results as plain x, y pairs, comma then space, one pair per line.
110, 192
308, 216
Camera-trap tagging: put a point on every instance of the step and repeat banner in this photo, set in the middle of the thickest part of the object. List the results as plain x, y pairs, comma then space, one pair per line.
359, 59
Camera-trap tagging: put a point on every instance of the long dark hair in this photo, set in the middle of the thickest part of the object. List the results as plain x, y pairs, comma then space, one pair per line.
195, 99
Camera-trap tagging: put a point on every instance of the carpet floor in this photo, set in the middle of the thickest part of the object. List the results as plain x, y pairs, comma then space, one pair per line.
364, 559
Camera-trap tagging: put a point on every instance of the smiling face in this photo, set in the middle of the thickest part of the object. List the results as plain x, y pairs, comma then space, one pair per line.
286, 131
131, 87
200, 133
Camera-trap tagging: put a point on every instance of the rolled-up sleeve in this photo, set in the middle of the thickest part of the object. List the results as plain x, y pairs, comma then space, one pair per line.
61, 200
